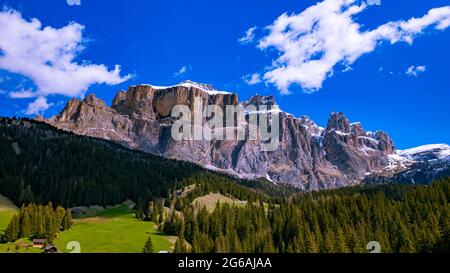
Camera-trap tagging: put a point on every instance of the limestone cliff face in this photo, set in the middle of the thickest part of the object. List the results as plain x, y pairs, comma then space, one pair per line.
308, 157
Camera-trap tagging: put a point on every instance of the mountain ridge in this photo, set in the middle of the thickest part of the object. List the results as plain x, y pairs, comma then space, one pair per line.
309, 157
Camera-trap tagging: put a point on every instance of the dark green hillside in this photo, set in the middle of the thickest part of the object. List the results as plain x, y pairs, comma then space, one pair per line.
41, 164
401, 218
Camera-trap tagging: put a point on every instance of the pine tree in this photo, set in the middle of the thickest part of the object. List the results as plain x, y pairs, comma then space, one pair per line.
235, 243
67, 220
180, 246
60, 212
329, 242
406, 244
268, 246
160, 212
195, 244
148, 248
154, 212
218, 245
25, 223
310, 243
150, 210
341, 244
12, 231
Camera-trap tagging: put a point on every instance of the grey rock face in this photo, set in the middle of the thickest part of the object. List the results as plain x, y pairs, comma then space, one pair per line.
352, 150
308, 157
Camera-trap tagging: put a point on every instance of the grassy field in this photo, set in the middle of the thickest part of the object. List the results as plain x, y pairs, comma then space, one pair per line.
112, 230
210, 201
7, 210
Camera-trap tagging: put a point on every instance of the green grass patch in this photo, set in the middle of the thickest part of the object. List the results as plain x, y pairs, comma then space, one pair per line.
114, 230
7, 211
210, 201
5, 218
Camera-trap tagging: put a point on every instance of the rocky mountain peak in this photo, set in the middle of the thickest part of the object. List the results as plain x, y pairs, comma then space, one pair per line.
258, 100
338, 122
93, 101
311, 126
357, 129
119, 97
70, 110
385, 142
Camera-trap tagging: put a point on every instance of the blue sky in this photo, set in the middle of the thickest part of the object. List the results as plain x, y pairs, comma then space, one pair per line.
153, 40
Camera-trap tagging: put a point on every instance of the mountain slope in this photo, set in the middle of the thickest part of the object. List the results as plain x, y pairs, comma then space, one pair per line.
39, 163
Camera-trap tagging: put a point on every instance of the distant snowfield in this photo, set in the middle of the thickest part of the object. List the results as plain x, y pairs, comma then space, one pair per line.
441, 151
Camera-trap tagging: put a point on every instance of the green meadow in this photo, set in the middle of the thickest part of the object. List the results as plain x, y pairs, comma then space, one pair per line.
5, 217
7, 210
113, 230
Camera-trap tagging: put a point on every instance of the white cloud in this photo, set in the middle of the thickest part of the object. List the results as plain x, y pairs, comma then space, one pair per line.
74, 2
252, 79
415, 70
347, 69
47, 55
313, 42
249, 36
183, 70
38, 106
22, 94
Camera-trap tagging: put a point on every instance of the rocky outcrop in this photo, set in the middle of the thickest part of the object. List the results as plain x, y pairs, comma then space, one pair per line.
308, 156
354, 151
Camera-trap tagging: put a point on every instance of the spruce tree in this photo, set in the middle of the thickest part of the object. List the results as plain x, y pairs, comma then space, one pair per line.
148, 248
12, 231
67, 220
180, 246
25, 223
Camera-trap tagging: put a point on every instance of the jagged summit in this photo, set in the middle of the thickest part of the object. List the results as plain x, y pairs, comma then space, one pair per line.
93, 101
338, 122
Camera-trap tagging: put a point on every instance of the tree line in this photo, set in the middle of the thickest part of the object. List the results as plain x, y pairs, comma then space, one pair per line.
37, 221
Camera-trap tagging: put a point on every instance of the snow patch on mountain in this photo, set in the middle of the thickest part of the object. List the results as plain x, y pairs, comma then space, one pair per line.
369, 139
190, 84
427, 152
